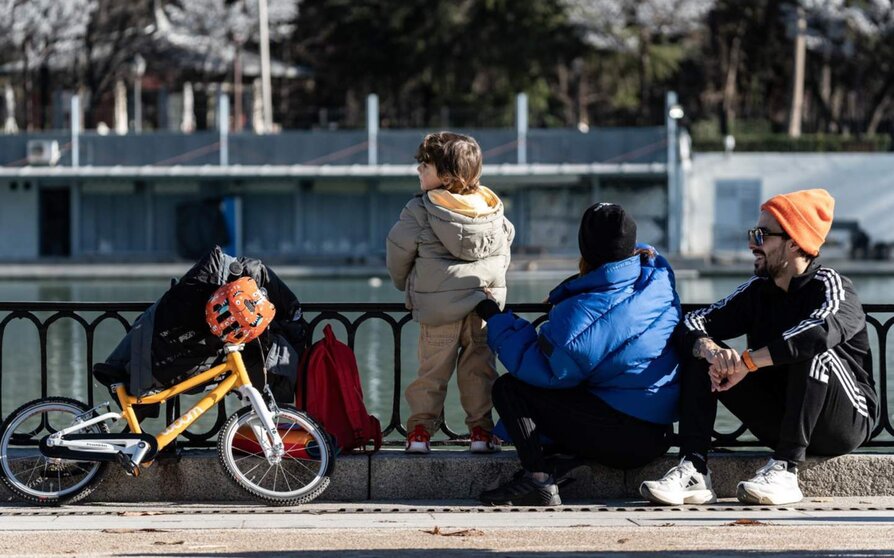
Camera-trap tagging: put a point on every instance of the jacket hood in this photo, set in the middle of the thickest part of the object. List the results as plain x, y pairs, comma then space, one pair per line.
481, 203
467, 238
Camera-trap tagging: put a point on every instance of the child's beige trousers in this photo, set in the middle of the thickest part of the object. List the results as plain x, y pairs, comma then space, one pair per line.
461, 345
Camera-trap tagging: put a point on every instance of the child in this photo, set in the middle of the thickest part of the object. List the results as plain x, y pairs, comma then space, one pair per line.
449, 245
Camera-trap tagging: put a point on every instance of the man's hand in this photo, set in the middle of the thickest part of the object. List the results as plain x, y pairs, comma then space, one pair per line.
729, 381
725, 366
725, 362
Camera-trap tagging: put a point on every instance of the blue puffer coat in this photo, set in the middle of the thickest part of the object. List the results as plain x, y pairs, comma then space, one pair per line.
610, 330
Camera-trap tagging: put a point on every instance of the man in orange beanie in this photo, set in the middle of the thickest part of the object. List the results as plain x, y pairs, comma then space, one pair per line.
805, 384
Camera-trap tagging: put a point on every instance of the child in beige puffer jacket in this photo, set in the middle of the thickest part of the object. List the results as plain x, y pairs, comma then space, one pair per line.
451, 244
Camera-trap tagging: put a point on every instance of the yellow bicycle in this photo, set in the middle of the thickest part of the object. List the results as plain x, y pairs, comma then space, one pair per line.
56, 450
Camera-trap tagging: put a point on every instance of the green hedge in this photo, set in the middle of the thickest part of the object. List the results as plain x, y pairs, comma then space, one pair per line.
810, 143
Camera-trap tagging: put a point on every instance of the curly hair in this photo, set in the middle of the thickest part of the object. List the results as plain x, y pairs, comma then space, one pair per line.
456, 158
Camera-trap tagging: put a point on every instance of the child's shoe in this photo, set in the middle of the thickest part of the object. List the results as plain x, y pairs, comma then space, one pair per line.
484, 441
419, 440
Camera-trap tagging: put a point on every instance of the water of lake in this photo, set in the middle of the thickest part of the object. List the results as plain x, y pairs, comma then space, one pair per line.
66, 342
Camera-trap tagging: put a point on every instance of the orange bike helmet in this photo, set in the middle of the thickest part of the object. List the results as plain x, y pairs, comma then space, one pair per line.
239, 311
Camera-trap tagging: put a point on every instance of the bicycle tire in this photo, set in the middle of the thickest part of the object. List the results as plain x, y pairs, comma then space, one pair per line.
251, 471
20, 454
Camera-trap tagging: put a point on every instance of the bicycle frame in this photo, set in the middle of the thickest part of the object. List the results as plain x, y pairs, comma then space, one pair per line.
235, 378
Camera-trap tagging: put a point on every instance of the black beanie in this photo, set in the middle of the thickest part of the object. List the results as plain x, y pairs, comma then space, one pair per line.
607, 234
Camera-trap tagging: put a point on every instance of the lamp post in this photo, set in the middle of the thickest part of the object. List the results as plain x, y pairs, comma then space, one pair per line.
673, 112
139, 69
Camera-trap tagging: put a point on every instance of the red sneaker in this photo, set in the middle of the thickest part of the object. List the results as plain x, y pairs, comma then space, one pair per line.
418, 441
484, 441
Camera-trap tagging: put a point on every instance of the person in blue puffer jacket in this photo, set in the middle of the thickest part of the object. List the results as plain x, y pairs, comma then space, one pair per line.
600, 377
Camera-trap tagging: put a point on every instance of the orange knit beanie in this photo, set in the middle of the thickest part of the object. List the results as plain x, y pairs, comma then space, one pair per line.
806, 215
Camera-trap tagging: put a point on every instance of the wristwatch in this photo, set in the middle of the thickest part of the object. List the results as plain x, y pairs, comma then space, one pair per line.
749, 362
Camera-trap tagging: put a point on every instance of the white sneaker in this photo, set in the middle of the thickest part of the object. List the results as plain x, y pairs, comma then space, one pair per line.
773, 485
683, 484
483, 441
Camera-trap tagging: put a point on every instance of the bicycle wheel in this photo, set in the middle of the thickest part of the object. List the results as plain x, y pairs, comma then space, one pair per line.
35, 477
298, 477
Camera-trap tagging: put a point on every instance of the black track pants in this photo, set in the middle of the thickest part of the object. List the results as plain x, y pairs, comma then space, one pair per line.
803, 407
578, 422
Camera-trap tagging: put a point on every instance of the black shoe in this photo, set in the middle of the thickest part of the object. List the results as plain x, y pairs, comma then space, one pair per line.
561, 465
523, 490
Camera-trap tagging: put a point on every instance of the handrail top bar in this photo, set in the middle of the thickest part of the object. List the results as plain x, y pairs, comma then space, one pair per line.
314, 306
322, 171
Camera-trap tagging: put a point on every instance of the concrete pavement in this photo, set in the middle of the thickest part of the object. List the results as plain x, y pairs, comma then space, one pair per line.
816, 526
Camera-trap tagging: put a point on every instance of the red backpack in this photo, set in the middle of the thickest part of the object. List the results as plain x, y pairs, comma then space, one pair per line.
329, 390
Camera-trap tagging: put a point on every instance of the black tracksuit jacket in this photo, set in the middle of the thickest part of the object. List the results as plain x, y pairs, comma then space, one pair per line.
820, 312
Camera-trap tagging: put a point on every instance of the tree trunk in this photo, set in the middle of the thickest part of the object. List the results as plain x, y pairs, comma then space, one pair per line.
237, 90
563, 92
583, 116
880, 103
352, 109
796, 114
644, 63
28, 101
877, 114
826, 89
44, 99
836, 102
729, 84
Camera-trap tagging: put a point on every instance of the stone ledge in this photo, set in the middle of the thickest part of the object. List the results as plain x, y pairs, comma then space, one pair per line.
456, 475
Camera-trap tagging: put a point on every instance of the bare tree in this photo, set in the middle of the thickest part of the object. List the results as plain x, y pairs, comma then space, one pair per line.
646, 29
874, 21
222, 28
45, 33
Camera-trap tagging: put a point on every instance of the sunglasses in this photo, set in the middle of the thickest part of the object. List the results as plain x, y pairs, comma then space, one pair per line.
756, 235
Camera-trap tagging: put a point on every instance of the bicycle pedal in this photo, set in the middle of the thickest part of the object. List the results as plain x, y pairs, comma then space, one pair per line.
130, 468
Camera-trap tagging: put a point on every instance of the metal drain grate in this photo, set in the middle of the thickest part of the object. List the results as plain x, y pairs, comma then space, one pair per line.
453, 509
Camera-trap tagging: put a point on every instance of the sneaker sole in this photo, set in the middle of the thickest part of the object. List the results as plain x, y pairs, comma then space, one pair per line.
417, 447
751, 495
697, 497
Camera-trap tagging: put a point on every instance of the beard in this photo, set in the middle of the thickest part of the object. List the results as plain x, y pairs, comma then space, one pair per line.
768, 267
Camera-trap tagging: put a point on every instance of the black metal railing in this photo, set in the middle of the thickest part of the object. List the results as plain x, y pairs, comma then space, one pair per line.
91, 315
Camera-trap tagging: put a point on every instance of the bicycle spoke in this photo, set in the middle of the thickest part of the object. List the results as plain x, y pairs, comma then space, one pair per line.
264, 476
31, 470
35, 456
300, 462
253, 468
296, 477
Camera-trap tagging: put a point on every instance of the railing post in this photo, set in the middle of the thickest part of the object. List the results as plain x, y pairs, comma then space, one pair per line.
521, 124
224, 126
372, 128
75, 130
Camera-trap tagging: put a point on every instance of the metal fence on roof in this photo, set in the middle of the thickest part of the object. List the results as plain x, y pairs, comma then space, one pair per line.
338, 147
